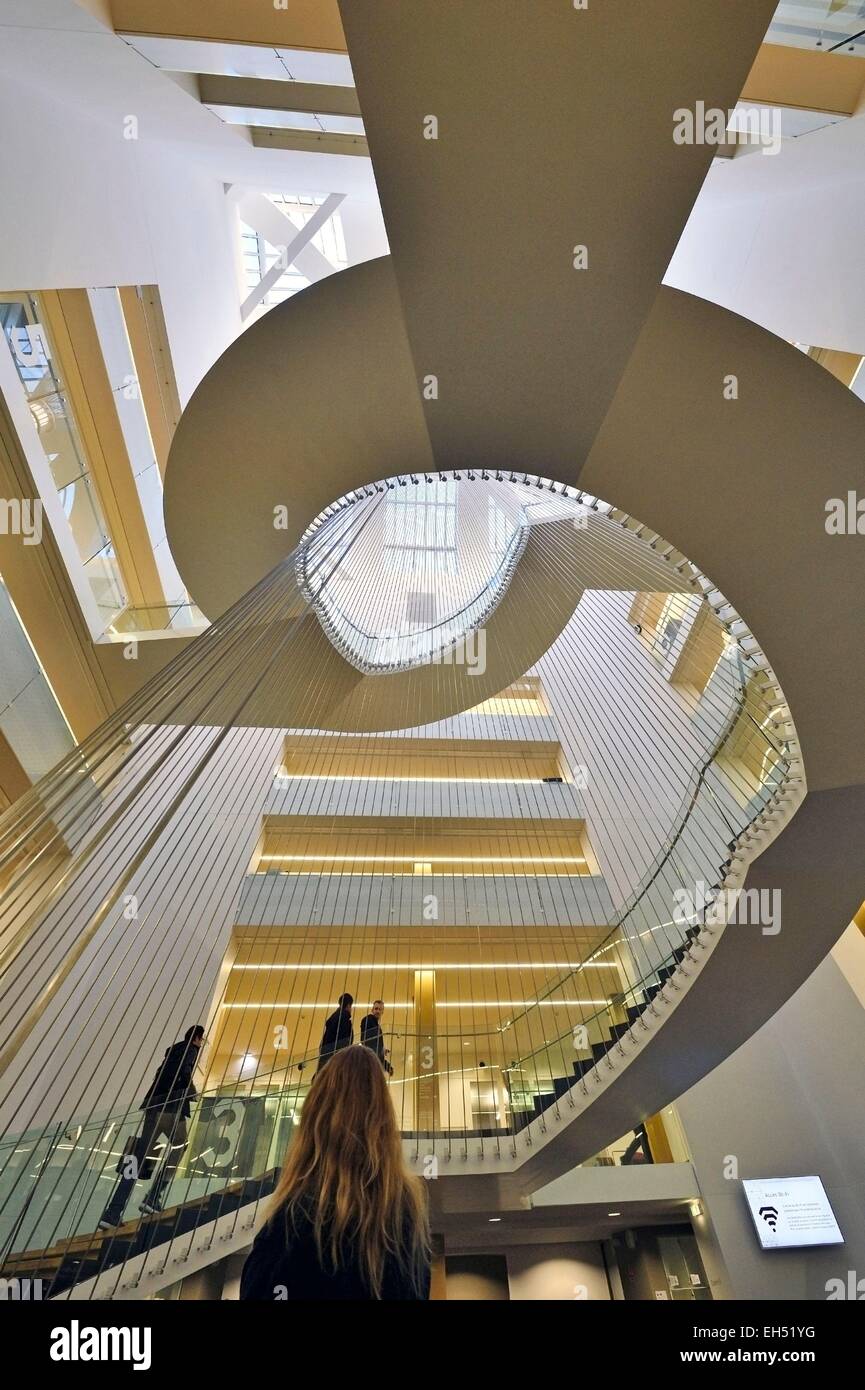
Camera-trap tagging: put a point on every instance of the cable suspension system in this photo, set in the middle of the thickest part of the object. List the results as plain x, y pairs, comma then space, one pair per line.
482, 748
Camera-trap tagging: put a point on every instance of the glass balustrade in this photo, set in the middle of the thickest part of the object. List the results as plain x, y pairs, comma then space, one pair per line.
399, 650
37, 365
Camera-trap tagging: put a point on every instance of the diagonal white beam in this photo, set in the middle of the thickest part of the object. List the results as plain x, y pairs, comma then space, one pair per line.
290, 250
277, 228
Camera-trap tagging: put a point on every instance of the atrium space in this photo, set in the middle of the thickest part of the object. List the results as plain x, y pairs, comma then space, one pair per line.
432, 560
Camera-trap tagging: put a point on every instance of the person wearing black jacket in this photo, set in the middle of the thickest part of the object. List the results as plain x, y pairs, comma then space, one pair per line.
372, 1037
166, 1110
338, 1032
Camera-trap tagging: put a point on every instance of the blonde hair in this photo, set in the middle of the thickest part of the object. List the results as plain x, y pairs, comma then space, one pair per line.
345, 1173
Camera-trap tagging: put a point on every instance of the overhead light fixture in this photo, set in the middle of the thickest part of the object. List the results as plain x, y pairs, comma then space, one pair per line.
437, 859
614, 1213
696, 1209
361, 777
494, 1219
440, 965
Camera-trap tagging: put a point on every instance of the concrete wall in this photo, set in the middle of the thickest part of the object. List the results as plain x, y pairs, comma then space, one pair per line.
788, 1103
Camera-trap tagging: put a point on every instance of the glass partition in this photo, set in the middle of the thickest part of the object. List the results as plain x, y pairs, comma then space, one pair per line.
39, 372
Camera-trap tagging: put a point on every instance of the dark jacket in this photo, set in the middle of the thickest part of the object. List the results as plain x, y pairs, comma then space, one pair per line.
338, 1033
283, 1266
172, 1086
372, 1037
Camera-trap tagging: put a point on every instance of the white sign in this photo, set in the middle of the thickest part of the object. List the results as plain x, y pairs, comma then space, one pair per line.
790, 1212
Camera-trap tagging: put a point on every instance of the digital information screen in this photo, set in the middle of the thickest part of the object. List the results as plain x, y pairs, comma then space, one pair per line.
791, 1212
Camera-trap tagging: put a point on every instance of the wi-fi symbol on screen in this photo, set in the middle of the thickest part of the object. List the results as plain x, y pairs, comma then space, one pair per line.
770, 1216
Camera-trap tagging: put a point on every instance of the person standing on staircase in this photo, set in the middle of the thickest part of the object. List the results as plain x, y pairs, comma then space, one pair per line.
372, 1036
338, 1032
166, 1109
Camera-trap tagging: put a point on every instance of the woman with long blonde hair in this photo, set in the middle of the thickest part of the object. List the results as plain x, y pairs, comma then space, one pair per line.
347, 1219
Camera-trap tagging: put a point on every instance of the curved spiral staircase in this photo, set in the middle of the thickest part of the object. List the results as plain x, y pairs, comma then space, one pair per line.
53, 1179
742, 488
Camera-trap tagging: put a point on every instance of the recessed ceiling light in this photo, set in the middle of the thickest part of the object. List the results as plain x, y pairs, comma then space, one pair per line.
614, 1213
494, 1218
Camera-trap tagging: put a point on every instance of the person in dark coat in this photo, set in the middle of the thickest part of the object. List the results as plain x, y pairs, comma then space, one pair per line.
338, 1032
166, 1109
347, 1221
372, 1036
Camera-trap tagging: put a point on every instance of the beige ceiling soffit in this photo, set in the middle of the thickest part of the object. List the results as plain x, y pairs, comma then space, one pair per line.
43, 595
843, 365
267, 138
154, 369
372, 370
806, 79
313, 24
302, 237
759, 476
71, 325
267, 94
451, 111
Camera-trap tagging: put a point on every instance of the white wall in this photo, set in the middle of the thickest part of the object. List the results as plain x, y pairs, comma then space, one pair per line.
788, 1103
778, 238
83, 206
